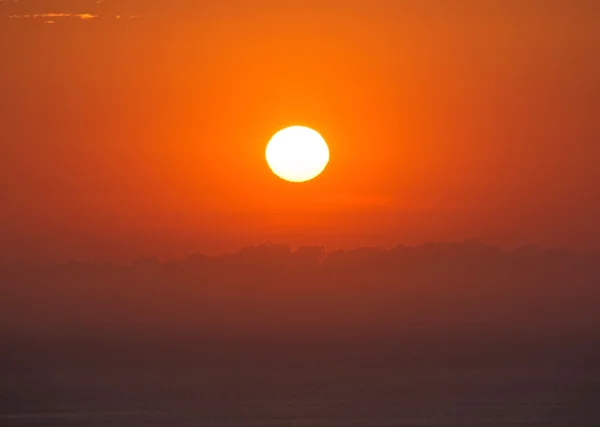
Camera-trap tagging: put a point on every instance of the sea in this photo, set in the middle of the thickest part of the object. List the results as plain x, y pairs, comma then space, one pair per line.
327, 395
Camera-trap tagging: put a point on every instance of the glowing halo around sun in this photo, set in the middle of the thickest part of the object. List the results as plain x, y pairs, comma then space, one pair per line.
297, 154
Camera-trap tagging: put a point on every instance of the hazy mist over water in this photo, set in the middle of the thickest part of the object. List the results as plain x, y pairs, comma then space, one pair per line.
436, 335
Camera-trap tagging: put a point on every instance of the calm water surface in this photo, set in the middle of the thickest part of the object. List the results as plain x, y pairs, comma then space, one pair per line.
301, 396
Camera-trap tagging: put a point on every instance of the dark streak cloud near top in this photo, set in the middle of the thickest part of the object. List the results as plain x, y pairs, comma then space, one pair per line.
60, 9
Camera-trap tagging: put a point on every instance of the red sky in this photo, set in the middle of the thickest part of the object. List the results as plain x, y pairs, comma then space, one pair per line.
146, 134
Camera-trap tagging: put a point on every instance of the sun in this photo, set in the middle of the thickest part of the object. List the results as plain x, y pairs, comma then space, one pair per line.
297, 154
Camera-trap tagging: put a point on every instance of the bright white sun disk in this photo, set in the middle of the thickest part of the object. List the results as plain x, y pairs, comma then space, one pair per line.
297, 154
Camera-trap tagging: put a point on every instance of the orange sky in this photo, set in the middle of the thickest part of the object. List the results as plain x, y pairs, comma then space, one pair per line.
445, 120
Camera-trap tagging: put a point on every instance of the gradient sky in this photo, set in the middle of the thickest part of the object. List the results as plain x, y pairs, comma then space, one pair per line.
139, 127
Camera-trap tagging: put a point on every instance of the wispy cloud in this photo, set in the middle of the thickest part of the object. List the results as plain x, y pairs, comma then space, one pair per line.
47, 17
